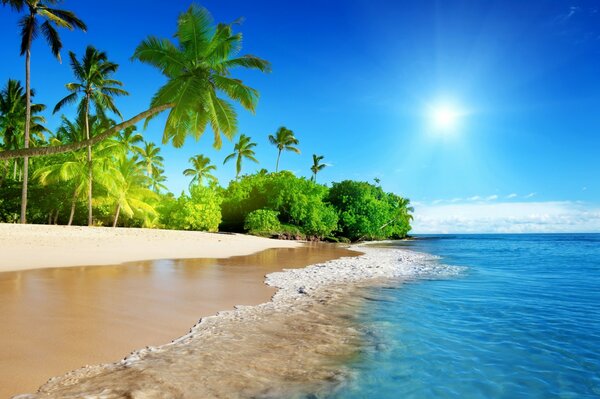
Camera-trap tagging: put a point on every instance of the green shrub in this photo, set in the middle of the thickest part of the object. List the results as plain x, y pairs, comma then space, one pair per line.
262, 222
201, 210
367, 212
298, 202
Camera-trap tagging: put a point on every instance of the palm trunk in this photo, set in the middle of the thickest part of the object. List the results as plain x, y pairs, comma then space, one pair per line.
277, 164
56, 217
15, 170
73, 204
27, 122
89, 159
59, 149
117, 215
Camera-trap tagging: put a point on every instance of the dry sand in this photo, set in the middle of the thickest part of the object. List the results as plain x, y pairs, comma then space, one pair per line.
42, 246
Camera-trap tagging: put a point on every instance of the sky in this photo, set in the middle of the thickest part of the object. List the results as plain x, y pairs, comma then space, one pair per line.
364, 82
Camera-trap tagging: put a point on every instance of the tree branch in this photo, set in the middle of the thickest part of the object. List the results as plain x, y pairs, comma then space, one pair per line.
40, 151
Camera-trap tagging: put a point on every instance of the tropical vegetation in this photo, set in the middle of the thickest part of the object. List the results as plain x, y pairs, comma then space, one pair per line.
94, 170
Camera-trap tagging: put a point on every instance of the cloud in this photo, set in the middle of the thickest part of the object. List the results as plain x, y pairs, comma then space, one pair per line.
529, 195
507, 217
491, 198
475, 198
513, 195
572, 11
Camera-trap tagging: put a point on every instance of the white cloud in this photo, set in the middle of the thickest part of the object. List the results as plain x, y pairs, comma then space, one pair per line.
491, 198
507, 217
513, 195
529, 195
475, 198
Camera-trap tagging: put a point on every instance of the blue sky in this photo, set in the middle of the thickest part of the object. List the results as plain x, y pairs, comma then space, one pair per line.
356, 81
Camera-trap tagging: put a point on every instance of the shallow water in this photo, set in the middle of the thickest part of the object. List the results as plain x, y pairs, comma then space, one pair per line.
56, 320
523, 320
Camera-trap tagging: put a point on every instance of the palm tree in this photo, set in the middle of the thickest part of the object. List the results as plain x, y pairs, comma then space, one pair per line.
95, 86
197, 68
29, 30
157, 179
201, 169
12, 118
150, 159
72, 168
242, 149
317, 166
129, 140
284, 139
129, 190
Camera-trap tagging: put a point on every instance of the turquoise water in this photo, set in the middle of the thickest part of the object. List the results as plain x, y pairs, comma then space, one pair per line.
522, 321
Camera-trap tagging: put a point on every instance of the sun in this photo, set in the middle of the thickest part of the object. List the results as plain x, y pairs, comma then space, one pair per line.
445, 117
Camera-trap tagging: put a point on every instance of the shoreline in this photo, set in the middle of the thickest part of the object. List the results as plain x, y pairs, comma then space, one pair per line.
26, 247
301, 314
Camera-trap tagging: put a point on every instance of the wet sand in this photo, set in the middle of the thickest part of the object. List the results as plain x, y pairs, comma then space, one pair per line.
59, 319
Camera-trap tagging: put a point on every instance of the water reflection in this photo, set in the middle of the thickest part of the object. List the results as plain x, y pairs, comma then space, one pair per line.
56, 320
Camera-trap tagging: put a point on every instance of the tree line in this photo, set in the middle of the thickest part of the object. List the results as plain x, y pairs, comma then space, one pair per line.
96, 168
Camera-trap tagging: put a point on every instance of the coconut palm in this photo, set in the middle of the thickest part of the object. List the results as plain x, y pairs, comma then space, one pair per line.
149, 158
198, 68
94, 86
34, 10
284, 139
12, 118
317, 166
129, 140
242, 149
201, 169
157, 179
129, 190
72, 168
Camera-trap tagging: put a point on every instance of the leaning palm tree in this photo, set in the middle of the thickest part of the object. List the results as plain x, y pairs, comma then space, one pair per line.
201, 169
94, 86
317, 166
242, 149
150, 159
12, 118
198, 68
35, 9
284, 139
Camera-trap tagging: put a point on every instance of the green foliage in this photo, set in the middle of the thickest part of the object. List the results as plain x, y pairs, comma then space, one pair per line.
367, 212
262, 222
198, 69
201, 210
298, 202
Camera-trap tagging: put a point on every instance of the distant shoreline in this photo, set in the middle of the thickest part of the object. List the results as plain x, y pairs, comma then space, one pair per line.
30, 246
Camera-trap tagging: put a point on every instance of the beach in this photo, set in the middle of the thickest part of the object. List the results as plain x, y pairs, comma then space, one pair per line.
42, 246
56, 319
297, 342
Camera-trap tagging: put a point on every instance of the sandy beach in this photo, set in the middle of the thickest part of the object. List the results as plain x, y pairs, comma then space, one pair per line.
41, 246
58, 318
298, 340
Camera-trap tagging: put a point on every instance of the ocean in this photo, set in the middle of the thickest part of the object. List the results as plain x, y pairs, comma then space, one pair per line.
521, 320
